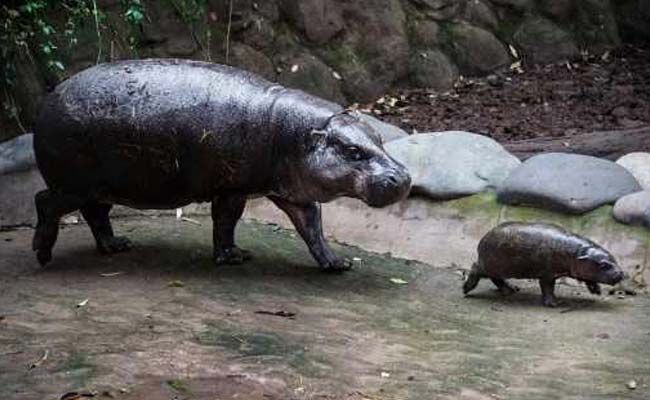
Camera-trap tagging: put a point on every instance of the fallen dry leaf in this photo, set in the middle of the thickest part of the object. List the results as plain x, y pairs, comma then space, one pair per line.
281, 313
40, 360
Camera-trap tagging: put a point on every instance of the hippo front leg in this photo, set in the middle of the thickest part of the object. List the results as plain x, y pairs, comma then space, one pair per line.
548, 288
226, 212
307, 220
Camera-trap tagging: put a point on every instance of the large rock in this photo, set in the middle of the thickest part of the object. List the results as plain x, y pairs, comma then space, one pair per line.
17, 197
371, 52
452, 164
388, 132
319, 20
522, 6
479, 13
441, 9
310, 74
633, 17
259, 34
17, 154
557, 9
425, 33
569, 183
638, 164
634, 209
475, 50
596, 24
541, 41
432, 69
246, 57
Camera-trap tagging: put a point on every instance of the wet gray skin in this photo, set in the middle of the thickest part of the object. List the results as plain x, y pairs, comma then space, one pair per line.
165, 133
541, 251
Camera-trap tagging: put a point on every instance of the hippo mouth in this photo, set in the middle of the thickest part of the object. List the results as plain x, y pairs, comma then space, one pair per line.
387, 190
616, 279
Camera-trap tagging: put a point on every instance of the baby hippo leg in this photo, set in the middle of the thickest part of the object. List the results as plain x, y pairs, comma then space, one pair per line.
593, 287
504, 287
548, 297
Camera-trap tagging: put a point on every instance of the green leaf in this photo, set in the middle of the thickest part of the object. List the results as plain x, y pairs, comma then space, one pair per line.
56, 65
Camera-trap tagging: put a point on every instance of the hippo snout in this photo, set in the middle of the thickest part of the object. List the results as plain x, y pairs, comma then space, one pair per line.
388, 188
617, 277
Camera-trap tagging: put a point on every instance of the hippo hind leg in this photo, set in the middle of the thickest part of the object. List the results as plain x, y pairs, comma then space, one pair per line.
472, 279
504, 287
226, 212
50, 207
96, 215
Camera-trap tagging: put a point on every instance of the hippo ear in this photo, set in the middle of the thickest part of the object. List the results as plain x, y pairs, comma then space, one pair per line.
583, 253
316, 138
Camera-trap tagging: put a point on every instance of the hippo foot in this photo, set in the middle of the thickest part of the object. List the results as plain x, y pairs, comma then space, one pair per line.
231, 256
114, 244
550, 301
593, 287
338, 265
508, 290
44, 256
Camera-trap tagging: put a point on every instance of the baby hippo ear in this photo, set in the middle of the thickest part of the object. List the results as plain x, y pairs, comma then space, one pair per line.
583, 253
315, 139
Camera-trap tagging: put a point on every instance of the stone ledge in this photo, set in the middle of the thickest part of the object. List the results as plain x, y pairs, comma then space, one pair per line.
445, 234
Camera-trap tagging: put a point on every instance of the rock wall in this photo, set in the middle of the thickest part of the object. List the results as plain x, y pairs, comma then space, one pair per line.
353, 51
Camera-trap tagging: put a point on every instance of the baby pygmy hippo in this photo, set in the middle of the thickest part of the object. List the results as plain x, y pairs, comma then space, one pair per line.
541, 251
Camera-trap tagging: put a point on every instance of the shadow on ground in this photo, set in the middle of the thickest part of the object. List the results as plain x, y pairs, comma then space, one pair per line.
161, 322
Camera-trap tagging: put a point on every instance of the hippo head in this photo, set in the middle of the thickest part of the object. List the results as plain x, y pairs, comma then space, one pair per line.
595, 265
347, 158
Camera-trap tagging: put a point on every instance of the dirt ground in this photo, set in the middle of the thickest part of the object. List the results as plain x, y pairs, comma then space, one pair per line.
602, 92
162, 323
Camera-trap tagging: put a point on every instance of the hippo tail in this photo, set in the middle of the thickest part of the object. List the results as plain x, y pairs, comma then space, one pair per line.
472, 279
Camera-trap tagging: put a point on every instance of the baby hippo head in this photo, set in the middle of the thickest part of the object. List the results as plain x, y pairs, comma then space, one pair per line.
347, 158
594, 264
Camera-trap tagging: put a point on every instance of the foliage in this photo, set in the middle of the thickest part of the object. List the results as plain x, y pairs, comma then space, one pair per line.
43, 31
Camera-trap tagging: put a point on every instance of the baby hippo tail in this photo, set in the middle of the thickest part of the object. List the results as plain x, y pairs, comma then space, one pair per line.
472, 279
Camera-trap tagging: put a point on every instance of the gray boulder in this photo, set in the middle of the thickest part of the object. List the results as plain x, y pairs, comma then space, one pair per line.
252, 60
441, 9
388, 132
557, 9
17, 154
479, 13
432, 69
425, 33
17, 190
570, 183
542, 41
310, 74
319, 20
475, 50
446, 165
634, 209
638, 164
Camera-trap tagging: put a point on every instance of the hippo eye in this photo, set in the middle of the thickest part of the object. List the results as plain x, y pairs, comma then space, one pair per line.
354, 153
606, 266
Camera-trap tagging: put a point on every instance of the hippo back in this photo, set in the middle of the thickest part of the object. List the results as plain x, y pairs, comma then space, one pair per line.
163, 132
521, 250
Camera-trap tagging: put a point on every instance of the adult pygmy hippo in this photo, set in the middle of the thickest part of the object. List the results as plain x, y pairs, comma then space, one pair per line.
164, 133
541, 251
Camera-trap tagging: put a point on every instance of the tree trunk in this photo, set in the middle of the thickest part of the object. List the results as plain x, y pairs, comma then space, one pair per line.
604, 144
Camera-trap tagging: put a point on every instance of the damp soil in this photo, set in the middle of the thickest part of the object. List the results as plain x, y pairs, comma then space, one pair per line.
161, 322
598, 93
